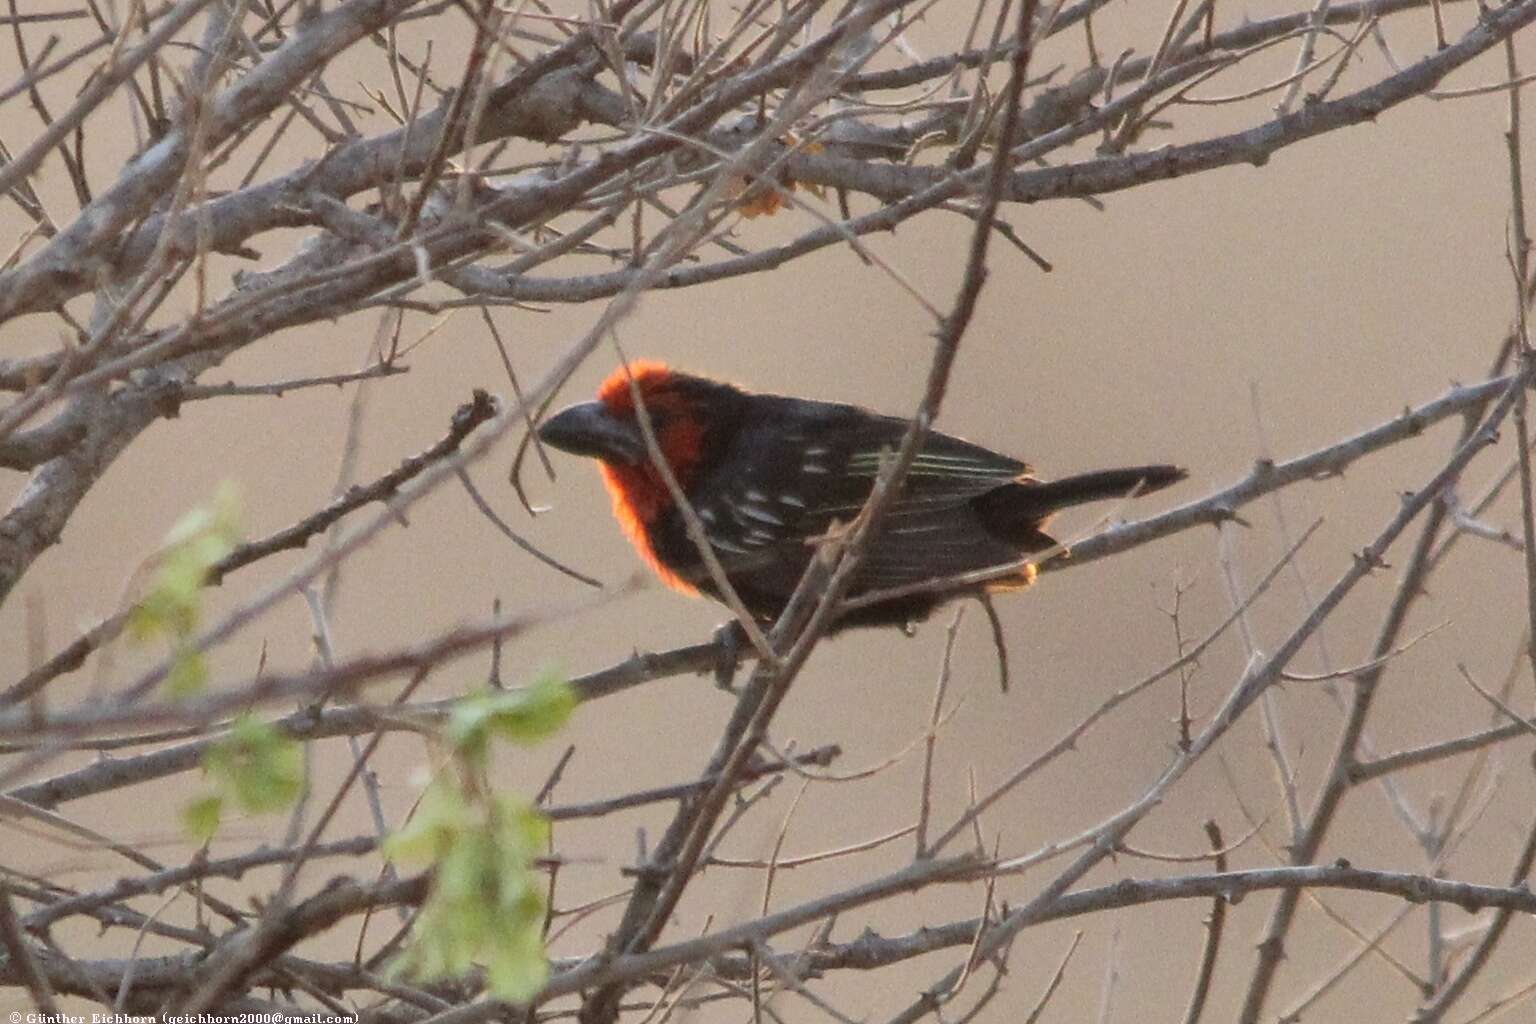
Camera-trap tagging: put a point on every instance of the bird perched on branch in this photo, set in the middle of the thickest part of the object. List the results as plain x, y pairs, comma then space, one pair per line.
769, 476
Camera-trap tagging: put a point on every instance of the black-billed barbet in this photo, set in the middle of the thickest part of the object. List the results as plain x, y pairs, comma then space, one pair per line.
768, 475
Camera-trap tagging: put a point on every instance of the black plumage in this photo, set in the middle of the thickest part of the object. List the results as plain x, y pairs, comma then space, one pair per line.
768, 474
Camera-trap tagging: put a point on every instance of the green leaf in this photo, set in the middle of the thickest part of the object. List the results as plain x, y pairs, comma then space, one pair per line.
256, 767
523, 716
487, 900
518, 967
441, 818
201, 817
271, 781
221, 518
521, 831
172, 605
188, 675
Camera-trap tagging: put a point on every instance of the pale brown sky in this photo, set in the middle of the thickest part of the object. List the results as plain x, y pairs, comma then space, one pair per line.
1350, 276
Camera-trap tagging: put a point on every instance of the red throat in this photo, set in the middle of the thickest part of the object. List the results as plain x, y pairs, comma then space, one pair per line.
639, 493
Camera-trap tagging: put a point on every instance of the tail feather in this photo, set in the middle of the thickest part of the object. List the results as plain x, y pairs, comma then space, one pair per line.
1055, 495
1027, 504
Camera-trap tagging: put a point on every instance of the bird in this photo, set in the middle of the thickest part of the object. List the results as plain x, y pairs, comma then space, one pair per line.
770, 475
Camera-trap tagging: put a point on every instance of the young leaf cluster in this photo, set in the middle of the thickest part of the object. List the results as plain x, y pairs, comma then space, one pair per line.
487, 903
172, 606
255, 768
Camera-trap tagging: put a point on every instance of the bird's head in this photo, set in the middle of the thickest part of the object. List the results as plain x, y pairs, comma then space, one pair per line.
691, 417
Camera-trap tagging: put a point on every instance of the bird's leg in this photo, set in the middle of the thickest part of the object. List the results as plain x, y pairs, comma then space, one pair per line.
730, 642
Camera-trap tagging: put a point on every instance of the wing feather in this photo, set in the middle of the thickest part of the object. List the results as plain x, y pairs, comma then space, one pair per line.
783, 488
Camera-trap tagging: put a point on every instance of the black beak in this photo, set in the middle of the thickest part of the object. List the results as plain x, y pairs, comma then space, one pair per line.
589, 429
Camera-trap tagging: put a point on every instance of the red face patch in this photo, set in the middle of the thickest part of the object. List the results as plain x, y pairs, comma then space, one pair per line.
652, 377
639, 493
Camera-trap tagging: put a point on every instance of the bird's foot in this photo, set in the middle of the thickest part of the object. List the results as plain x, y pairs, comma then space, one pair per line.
730, 639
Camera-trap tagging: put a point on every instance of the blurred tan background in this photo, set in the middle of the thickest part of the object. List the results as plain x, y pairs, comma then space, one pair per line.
1349, 277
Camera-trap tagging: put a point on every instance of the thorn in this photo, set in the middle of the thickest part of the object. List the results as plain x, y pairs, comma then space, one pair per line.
1227, 514
1370, 560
